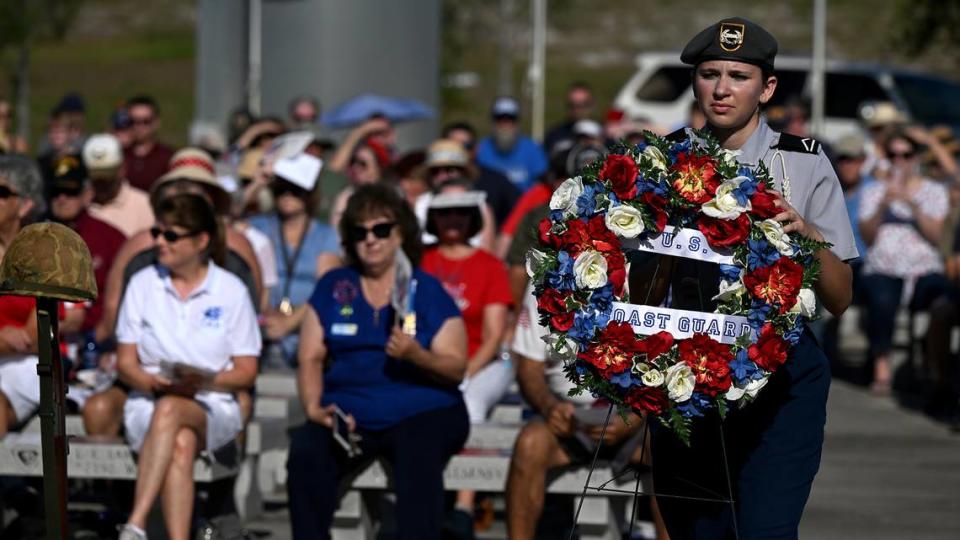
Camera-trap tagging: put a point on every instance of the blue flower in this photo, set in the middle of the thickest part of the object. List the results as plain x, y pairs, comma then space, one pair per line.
742, 367
730, 272
744, 191
761, 253
581, 369
758, 315
748, 172
587, 201
624, 379
641, 146
695, 406
562, 278
557, 216
678, 148
792, 336
585, 325
602, 298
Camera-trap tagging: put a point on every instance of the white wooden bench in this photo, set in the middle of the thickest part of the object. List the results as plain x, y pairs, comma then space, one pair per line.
111, 458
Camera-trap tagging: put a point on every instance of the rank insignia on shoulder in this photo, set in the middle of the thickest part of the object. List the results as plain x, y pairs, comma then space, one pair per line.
792, 143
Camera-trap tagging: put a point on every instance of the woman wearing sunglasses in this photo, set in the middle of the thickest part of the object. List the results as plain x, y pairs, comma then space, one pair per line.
188, 341
304, 250
901, 219
394, 376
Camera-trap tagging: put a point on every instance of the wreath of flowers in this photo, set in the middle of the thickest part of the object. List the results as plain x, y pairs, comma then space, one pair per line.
579, 271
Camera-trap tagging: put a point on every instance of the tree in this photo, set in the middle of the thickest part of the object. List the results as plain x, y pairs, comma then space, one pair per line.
23, 23
925, 23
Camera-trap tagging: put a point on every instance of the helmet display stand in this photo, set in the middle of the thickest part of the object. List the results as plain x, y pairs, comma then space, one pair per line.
51, 263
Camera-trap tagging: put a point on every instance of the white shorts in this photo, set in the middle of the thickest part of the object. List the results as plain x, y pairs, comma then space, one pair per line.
20, 383
485, 389
223, 419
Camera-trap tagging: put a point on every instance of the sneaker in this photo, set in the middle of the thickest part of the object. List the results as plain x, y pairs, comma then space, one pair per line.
132, 532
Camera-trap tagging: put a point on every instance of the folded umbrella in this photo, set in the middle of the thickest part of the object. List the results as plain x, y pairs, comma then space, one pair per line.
361, 108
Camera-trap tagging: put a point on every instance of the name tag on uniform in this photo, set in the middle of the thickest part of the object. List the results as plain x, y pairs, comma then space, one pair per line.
344, 329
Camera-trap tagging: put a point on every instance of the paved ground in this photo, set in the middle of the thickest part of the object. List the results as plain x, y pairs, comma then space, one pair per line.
886, 473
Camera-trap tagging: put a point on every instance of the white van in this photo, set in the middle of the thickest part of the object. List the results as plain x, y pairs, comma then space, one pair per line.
660, 91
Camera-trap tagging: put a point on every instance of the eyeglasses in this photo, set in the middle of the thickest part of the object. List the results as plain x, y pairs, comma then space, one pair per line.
170, 236
903, 155
449, 170
141, 121
6, 192
380, 230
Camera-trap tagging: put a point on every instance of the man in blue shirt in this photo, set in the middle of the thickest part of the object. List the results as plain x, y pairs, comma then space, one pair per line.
517, 156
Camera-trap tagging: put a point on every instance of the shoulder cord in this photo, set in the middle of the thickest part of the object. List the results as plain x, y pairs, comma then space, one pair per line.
785, 183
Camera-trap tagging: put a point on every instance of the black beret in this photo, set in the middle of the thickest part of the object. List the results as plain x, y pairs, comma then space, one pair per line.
736, 39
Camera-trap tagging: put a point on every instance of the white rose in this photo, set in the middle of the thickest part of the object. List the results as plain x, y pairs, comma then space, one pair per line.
724, 204
806, 303
534, 260
773, 230
590, 270
729, 157
729, 289
735, 393
680, 382
565, 196
754, 386
625, 221
653, 377
657, 159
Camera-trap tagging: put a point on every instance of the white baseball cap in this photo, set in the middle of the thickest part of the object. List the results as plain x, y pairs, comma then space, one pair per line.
102, 151
301, 170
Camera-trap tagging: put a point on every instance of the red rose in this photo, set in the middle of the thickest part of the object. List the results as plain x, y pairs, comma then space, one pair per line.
770, 350
724, 233
762, 203
552, 302
647, 399
576, 238
548, 238
777, 284
697, 179
614, 349
562, 322
655, 344
616, 271
621, 171
710, 362
658, 205
600, 237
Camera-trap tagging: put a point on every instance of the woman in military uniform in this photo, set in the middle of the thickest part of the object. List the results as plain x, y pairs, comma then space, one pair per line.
771, 448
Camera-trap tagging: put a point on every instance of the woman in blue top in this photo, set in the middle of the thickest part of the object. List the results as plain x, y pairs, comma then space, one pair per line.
398, 390
304, 248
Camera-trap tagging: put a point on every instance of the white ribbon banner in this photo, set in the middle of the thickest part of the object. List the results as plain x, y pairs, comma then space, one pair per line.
689, 243
680, 323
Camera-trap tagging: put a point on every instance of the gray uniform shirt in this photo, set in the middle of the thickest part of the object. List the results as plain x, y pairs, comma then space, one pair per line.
814, 188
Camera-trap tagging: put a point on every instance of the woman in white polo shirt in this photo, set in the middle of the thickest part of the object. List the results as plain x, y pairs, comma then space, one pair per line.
185, 310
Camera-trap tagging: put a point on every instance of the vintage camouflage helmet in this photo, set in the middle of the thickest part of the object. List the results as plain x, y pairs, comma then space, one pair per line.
49, 260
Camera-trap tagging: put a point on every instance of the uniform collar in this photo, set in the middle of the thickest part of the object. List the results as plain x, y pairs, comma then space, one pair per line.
761, 140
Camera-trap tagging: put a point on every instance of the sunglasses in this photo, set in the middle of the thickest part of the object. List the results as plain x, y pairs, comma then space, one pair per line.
380, 230
282, 188
904, 155
6, 192
453, 211
170, 236
435, 171
141, 121
69, 192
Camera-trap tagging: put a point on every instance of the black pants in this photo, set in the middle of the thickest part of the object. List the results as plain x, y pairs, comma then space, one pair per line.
418, 449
